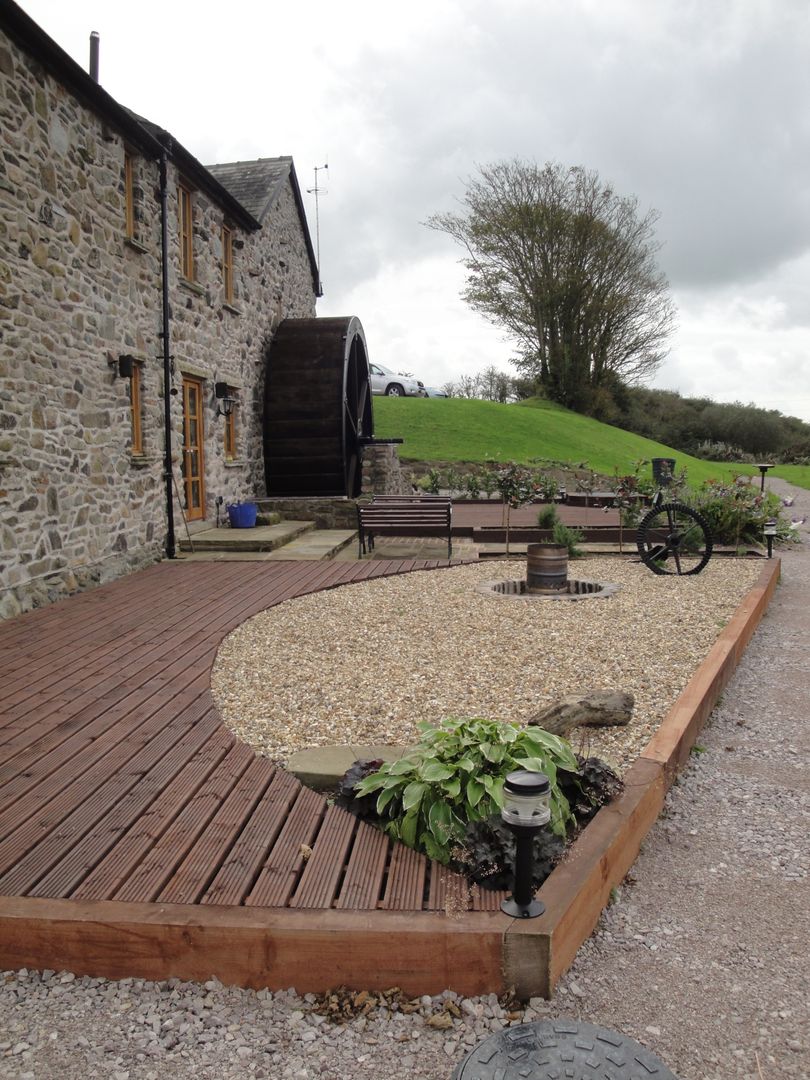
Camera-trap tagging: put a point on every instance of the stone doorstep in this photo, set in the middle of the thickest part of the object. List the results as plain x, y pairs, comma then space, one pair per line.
260, 538
316, 544
321, 767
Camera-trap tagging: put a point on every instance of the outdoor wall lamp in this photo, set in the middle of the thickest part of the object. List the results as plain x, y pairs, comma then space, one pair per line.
126, 364
226, 403
526, 811
769, 529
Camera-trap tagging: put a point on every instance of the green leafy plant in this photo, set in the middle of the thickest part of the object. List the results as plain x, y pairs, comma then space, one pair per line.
547, 518
472, 484
737, 512
455, 776
569, 538
547, 487
455, 480
431, 482
489, 482
517, 487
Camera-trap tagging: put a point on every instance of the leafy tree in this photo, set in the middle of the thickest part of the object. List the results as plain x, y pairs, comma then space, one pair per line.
567, 267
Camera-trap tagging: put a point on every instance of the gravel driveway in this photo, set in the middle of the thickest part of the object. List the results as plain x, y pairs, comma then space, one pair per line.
703, 957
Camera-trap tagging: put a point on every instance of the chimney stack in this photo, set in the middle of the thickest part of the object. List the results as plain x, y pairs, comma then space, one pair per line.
94, 43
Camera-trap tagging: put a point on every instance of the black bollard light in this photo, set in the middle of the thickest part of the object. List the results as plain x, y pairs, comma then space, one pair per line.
526, 811
769, 529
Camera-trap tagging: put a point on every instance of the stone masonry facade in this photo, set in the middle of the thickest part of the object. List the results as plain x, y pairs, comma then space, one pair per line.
77, 505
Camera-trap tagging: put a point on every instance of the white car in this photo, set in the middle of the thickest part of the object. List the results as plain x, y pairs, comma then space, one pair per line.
392, 384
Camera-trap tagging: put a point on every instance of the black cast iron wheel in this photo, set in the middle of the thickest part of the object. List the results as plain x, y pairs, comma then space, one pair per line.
674, 539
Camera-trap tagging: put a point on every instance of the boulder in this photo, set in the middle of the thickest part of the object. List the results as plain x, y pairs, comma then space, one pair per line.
598, 708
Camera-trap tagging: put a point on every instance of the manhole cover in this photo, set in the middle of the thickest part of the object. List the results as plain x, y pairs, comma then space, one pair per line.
560, 1050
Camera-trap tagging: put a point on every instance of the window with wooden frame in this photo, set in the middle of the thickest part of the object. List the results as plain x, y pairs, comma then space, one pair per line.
129, 194
184, 209
230, 435
227, 264
135, 409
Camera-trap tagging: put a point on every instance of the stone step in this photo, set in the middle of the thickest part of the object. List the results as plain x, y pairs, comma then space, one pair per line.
316, 544
262, 538
322, 767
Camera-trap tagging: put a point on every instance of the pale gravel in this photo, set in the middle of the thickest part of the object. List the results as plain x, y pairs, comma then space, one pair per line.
703, 957
365, 663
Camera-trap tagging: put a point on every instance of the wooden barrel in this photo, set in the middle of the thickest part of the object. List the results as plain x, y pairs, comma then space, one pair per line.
546, 568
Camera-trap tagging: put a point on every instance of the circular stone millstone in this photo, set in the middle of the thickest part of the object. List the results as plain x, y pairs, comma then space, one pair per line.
560, 1050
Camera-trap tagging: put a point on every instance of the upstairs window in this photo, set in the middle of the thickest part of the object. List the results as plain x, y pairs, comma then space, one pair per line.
129, 195
227, 264
184, 209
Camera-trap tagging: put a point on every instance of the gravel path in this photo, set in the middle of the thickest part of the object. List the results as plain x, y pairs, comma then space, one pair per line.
703, 957
363, 664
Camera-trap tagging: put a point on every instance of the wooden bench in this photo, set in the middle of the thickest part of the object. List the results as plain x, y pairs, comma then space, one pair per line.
404, 515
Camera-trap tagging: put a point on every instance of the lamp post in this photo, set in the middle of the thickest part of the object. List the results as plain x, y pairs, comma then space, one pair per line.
526, 811
763, 468
769, 529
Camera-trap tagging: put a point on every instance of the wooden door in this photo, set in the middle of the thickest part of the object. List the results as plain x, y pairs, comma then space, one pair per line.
193, 462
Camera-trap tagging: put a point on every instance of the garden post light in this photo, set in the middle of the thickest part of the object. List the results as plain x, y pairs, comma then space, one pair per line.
769, 530
763, 468
526, 811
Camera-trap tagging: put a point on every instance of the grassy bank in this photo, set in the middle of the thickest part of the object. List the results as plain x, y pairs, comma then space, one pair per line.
456, 429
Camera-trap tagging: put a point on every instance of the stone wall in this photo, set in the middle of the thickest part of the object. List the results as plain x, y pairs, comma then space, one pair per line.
76, 505
382, 471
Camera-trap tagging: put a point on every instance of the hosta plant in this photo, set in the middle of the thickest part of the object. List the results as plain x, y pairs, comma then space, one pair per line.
455, 776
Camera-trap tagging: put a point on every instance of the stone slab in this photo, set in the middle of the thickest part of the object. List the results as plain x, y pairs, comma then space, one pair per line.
316, 544
261, 538
321, 767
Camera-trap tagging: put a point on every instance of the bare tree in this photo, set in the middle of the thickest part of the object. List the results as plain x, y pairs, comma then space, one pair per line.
568, 268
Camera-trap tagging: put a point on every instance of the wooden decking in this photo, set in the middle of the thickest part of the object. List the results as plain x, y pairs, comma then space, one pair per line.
139, 838
120, 783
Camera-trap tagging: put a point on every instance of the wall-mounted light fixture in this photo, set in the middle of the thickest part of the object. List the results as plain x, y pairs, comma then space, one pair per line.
126, 364
226, 403
526, 810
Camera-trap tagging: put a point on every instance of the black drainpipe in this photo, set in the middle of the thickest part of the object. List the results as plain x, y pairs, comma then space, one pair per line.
171, 549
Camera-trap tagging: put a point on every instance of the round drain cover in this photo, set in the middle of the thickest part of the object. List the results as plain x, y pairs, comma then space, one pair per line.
560, 1050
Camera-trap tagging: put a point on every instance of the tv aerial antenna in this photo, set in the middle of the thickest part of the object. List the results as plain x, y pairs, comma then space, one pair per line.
317, 192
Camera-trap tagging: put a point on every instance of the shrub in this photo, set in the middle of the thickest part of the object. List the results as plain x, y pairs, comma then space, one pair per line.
432, 482
472, 484
737, 512
456, 776
547, 518
568, 538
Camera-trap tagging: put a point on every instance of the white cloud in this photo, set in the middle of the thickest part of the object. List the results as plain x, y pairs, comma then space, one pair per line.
698, 109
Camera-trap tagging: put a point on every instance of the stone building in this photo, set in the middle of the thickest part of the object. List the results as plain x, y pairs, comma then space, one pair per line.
95, 204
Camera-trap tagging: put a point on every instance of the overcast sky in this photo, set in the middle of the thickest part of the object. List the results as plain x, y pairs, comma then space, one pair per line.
700, 109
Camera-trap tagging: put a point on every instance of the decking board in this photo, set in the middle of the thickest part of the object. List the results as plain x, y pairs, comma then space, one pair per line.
243, 862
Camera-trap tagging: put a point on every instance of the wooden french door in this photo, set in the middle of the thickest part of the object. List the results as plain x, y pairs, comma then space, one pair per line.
193, 462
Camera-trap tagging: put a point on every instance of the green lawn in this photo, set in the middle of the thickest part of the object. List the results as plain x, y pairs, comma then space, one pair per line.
794, 474
457, 429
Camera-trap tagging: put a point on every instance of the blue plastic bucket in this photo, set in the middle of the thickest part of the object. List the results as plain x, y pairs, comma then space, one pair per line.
242, 515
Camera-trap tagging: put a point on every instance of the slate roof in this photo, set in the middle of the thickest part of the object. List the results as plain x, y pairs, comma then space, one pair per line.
256, 185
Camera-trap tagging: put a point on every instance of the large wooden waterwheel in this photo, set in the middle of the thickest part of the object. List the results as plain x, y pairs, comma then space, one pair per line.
317, 411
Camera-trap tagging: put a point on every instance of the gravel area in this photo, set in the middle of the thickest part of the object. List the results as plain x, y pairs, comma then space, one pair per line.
363, 664
703, 957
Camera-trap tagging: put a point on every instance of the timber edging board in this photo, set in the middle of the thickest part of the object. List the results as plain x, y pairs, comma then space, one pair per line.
422, 952
539, 951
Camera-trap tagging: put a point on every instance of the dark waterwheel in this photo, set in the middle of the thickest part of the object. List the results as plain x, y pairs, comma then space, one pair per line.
674, 539
317, 411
